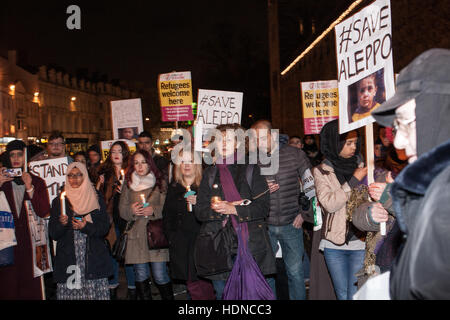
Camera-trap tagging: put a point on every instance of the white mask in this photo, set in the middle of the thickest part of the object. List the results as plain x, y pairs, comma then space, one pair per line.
405, 126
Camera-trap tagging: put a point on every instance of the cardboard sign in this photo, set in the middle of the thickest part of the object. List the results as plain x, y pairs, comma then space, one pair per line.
53, 171
320, 104
126, 119
215, 108
106, 146
175, 96
365, 67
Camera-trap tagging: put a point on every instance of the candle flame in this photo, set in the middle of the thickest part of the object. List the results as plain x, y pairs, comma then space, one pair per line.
63, 195
143, 198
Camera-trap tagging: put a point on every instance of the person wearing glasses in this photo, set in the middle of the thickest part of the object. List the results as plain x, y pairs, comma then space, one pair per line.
82, 263
56, 147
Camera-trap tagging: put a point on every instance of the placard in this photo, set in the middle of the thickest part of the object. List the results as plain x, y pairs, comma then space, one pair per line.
126, 119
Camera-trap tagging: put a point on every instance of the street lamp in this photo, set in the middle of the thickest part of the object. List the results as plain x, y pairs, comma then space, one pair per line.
73, 98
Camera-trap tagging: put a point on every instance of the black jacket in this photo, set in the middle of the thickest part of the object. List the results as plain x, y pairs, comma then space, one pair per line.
98, 259
254, 214
421, 201
284, 206
181, 229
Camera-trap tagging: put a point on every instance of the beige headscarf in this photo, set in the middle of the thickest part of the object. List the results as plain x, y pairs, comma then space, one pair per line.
83, 199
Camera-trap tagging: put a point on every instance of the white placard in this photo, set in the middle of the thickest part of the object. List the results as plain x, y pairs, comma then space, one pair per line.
53, 171
215, 107
365, 66
126, 118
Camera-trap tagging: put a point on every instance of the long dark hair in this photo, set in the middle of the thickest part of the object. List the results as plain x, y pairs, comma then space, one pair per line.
151, 164
107, 167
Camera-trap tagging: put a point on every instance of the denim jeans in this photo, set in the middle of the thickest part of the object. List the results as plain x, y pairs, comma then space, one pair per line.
129, 271
159, 271
343, 265
219, 285
291, 242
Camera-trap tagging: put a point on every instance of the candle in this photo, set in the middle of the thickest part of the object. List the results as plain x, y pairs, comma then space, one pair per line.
383, 228
143, 198
122, 176
189, 205
25, 162
63, 203
216, 199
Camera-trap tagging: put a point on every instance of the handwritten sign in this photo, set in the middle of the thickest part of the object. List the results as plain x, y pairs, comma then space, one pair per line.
365, 66
53, 171
126, 118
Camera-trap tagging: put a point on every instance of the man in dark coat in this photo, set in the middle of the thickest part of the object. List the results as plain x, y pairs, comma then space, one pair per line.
420, 114
18, 281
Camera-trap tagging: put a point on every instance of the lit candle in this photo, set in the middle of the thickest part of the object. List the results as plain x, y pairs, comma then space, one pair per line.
122, 176
63, 203
143, 198
189, 205
25, 163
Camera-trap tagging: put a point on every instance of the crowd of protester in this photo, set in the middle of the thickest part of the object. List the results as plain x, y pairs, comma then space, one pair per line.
211, 215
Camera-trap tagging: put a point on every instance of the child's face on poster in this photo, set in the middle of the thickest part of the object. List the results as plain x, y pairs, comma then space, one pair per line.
366, 92
128, 133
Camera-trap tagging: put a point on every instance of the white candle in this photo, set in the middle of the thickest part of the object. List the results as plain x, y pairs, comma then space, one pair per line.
383, 228
189, 205
143, 198
63, 203
25, 163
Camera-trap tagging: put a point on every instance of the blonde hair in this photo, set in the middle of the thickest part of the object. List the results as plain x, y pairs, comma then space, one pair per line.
178, 176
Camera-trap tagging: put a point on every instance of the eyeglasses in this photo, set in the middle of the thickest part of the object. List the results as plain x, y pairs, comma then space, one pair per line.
77, 175
401, 124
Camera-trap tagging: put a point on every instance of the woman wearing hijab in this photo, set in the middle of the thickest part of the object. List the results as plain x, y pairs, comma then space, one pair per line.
311, 150
82, 262
223, 188
144, 183
17, 281
335, 177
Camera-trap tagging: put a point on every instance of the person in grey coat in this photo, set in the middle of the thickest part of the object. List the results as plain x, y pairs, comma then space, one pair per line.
285, 217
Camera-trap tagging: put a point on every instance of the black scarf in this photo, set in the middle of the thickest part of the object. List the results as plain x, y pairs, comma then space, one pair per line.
331, 144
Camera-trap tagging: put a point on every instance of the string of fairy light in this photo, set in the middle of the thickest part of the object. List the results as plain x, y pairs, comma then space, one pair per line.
323, 35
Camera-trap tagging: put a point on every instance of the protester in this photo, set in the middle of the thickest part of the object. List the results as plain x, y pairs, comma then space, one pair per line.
229, 181
110, 184
56, 146
335, 178
80, 156
145, 142
144, 178
17, 280
420, 113
312, 151
285, 218
296, 141
182, 228
93, 162
79, 229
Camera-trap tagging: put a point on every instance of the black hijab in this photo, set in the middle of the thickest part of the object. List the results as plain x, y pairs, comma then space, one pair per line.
331, 144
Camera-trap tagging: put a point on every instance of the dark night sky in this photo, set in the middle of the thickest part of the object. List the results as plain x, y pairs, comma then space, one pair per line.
223, 43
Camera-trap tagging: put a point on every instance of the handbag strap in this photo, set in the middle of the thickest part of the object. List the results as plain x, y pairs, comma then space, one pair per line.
242, 234
129, 225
